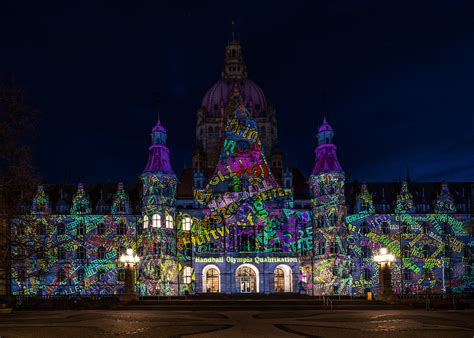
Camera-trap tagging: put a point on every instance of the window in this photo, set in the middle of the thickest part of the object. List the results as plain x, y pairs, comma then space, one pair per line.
101, 274
407, 274
81, 253
406, 253
80, 229
426, 228
263, 131
61, 229
80, 275
385, 228
61, 253
157, 272
156, 249
41, 229
169, 222
367, 274
139, 228
366, 252
212, 280
187, 223
156, 221
246, 242
140, 251
405, 228
425, 251
61, 275
364, 228
279, 280
121, 229
121, 275
445, 228
187, 275
145, 222
101, 252
322, 248
121, 207
101, 229
333, 248
187, 251
467, 270
41, 252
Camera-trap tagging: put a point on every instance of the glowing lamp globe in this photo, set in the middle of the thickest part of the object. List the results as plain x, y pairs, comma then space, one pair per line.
129, 258
384, 257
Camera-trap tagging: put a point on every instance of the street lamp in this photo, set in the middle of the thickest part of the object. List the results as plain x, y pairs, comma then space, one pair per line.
129, 260
385, 259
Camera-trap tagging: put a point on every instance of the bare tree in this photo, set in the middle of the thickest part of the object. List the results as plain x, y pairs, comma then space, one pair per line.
18, 178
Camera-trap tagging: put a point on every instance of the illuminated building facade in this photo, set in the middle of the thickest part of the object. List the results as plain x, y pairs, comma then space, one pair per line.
239, 224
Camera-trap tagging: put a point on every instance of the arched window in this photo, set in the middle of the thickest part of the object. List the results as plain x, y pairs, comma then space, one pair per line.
366, 252
61, 253
80, 274
145, 222
156, 249
322, 248
61, 228
101, 273
156, 221
406, 252
80, 229
41, 229
364, 228
101, 229
101, 252
140, 251
405, 228
138, 228
279, 280
169, 222
81, 253
212, 280
121, 228
385, 228
426, 228
187, 223
121, 275
187, 275
61, 275
367, 274
425, 251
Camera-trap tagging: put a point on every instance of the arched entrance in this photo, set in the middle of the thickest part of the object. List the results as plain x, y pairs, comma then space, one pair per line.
247, 278
211, 279
282, 279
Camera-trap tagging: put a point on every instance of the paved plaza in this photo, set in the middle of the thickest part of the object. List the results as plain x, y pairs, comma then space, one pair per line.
381, 323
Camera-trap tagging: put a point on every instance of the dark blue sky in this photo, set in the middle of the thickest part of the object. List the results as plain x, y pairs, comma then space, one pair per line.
399, 78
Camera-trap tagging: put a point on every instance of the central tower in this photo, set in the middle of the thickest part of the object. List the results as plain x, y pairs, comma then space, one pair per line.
211, 115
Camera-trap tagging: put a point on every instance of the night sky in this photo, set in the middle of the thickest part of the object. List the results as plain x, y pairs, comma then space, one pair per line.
399, 77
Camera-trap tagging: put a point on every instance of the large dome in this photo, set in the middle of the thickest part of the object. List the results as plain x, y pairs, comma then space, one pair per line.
218, 96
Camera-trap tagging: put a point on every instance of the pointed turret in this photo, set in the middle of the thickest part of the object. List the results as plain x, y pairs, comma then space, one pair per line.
364, 201
41, 202
159, 158
80, 202
325, 153
159, 180
121, 202
445, 201
234, 66
405, 200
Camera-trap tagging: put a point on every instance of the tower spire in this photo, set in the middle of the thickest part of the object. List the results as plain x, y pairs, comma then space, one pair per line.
232, 29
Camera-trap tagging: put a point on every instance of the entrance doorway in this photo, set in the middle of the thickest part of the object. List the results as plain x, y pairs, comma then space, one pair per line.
211, 279
247, 279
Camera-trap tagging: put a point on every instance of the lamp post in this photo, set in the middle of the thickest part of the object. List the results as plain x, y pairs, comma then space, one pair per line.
385, 259
129, 260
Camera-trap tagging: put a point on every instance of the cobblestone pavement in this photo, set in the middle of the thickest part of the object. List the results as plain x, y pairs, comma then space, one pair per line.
390, 323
